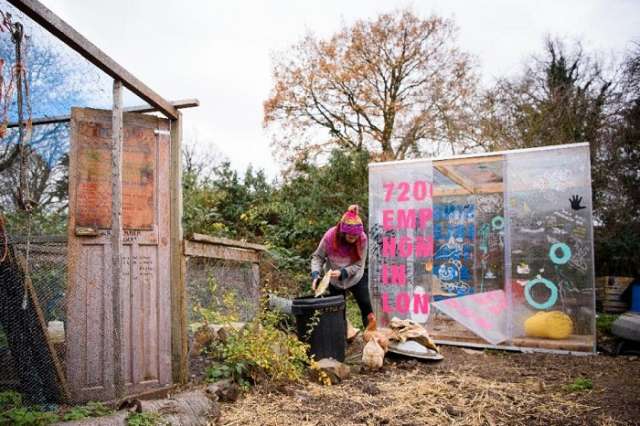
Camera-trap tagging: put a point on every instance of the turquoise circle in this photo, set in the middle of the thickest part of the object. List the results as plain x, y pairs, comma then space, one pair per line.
495, 221
566, 253
553, 298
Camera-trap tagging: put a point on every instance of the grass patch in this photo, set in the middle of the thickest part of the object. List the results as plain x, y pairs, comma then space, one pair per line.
580, 384
145, 419
92, 409
14, 412
353, 313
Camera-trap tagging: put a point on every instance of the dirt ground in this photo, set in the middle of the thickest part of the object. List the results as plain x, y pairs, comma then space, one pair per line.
468, 387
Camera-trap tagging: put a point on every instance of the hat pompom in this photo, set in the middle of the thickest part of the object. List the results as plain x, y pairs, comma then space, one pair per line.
351, 222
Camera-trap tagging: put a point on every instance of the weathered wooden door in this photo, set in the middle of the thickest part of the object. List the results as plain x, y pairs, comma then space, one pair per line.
145, 284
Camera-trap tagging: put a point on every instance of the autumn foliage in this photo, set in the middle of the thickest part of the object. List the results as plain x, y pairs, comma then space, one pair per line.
396, 86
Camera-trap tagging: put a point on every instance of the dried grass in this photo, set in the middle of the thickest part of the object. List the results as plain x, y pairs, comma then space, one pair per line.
413, 398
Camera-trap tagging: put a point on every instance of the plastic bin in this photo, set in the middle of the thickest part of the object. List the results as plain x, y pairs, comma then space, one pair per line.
327, 339
635, 296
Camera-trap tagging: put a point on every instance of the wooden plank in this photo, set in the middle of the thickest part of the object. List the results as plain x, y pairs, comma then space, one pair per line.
68, 35
444, 192
577, 343
58, 249
116, 233
468, 160
225, 242
490, 188
163, 250
40, 239
179, 332
212, 251
455, 177
179, 104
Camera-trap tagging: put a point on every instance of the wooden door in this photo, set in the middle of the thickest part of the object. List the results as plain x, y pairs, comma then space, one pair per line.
145, 279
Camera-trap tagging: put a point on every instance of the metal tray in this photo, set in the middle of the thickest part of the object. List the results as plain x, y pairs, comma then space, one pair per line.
415, 350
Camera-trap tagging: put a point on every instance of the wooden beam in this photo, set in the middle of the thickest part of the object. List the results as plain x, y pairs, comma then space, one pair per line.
116, 234
468, 160
444, 191
213, 251
225, 242
145, 108
489, 188
69, 36
454, 177
179, 332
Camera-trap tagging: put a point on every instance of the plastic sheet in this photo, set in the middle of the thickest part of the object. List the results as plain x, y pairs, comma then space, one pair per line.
493, 240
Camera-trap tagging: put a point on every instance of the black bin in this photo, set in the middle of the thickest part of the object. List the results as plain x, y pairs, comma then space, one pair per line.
327, 338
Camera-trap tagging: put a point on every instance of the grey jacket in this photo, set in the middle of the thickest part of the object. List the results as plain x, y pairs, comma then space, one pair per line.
322, 261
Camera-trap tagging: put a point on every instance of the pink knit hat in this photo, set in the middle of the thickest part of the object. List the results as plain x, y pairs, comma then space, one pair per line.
351, 222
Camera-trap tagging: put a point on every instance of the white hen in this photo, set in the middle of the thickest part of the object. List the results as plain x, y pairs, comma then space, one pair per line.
373, 354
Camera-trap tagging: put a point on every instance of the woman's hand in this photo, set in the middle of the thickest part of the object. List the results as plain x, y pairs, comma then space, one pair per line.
314, 284
334, 274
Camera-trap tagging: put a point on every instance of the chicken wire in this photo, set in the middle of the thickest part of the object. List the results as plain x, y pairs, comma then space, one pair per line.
220, 290
26, 362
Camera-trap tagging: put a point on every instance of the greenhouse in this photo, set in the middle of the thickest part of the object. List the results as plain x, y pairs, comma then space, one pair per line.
487, 250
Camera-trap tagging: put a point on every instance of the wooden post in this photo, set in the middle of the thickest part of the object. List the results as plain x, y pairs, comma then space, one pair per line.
116, 234
179, 338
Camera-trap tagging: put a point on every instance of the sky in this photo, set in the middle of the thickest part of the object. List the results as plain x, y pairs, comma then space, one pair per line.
220, 51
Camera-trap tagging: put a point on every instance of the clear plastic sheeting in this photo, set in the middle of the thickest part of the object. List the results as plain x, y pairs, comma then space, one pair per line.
499, 252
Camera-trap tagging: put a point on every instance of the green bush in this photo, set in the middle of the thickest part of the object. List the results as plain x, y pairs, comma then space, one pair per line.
604, 322
261, 351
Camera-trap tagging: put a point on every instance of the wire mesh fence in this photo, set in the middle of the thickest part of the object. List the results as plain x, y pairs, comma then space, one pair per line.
33, 277
220, 289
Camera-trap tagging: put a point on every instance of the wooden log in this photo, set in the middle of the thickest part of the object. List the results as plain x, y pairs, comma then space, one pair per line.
194, 408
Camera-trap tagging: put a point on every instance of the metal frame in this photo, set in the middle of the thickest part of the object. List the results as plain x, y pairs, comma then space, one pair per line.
479, 154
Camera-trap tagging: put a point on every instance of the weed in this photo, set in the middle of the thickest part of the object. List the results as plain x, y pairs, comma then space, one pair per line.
92, 409
580, 384
145, 419
261, 351
12, 412
27, 416
9, 400
604, 323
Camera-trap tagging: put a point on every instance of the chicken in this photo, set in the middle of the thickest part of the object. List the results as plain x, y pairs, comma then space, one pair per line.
373, 354
372, 332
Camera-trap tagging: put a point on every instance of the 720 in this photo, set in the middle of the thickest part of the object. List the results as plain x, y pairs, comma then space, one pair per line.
418, 191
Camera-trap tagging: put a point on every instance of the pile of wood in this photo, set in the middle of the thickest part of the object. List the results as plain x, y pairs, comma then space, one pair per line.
609, 291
